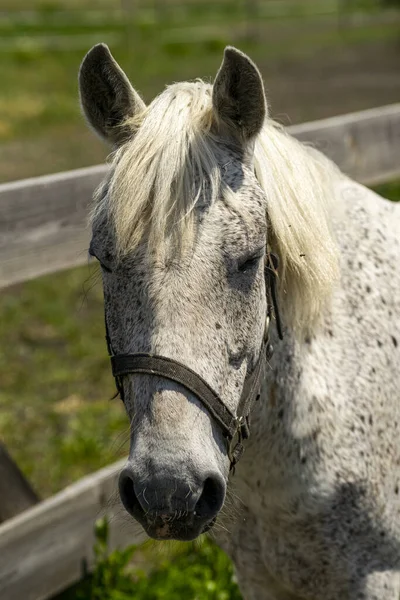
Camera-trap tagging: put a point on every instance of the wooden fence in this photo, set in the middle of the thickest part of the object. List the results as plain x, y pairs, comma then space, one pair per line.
49, 546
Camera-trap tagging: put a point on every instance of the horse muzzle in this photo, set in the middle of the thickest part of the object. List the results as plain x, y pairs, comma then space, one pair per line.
171, 507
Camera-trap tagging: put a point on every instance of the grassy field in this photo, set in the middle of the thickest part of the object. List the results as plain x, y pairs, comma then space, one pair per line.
56, 416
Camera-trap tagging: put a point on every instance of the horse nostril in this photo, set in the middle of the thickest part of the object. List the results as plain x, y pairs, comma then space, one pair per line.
169, 497
127, 493
212, 497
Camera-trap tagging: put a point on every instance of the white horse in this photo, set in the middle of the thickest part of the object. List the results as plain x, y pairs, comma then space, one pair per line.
204, 188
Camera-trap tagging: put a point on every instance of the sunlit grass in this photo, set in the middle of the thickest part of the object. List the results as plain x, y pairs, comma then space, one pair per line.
56, 416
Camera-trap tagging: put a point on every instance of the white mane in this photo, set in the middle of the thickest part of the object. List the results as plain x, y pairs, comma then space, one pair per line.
299, 184
159, 175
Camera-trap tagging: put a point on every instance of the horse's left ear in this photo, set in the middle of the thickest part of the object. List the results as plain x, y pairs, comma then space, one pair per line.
238, 95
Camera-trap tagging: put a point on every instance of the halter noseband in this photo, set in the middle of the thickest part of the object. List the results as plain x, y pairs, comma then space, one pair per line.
236, 429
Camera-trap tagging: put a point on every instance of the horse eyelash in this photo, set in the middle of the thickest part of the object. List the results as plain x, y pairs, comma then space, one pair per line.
103, 266
250, 262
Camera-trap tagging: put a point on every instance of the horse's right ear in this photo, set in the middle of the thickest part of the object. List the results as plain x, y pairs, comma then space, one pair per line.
106, 95
238, 95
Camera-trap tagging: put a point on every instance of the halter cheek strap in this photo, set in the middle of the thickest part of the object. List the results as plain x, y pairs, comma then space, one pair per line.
236, 428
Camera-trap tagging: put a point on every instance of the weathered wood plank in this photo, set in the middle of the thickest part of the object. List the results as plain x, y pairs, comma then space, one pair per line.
50, 546
43, 220
43, 223
365, 145
16, 494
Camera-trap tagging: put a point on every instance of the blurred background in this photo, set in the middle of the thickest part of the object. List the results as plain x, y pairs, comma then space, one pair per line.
318, 58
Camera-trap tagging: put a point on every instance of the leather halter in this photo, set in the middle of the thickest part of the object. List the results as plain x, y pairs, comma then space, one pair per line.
235, 428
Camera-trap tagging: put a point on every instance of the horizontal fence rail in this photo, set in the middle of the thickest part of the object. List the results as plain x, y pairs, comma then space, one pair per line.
43, 220
43, 223
50, 546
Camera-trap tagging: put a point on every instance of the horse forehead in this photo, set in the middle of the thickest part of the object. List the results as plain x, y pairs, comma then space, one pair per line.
236, 170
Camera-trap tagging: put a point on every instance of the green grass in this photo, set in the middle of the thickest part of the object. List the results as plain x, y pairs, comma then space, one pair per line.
390, 190
194, 571
56, 416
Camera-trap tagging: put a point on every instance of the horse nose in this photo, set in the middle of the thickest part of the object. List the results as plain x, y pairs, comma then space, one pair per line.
161, 499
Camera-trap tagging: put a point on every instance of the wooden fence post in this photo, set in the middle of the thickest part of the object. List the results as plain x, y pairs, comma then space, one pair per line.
16, 494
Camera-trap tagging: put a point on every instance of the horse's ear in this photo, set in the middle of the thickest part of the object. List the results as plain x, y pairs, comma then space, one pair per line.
107, 98
238, 95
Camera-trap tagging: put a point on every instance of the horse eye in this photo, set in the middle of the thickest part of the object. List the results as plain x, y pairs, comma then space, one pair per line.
249, 263
106, 268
